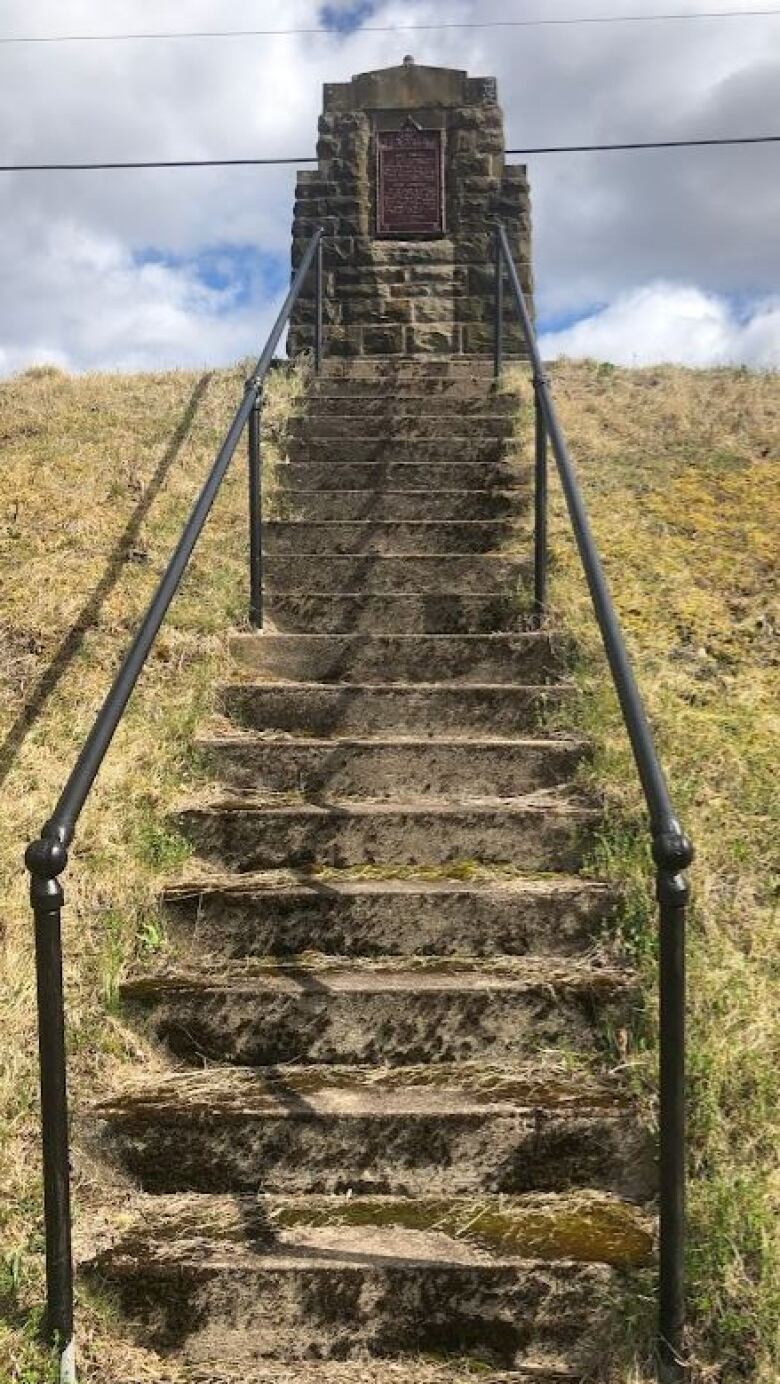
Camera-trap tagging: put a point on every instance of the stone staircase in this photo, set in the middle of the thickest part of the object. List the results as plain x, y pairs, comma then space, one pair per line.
389, 1146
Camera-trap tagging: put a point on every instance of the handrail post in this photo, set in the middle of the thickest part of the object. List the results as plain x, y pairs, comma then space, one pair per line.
673, 854
498, 359
255, 510
45, 860
318, 317
540, 508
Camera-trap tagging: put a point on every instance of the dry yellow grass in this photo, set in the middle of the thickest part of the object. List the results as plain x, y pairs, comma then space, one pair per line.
682, 477
99, 473
680, 471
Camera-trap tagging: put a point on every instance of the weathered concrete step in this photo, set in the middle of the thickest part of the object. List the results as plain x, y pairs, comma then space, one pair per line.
453, 1131
475, 574
467, 447
452, 390
375, 536
264, 915
260, 1013
540, 832
330, 401
493, 658
408, 1370
403, 475
399, 427
354, 1277
302, 612
391, 709
400, 367
318, 506
390, 768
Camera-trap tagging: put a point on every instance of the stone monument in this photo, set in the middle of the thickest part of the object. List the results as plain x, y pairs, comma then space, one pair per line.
411, 177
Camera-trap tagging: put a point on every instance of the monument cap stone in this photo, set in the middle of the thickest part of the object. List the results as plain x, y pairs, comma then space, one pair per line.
411, 177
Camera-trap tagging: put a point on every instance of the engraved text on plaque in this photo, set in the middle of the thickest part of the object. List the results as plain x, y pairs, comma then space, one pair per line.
410, 176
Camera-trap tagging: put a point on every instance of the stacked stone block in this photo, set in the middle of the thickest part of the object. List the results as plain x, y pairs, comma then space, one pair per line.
410, 295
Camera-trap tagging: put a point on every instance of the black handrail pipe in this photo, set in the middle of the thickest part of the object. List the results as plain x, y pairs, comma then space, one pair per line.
672, 851
47, 857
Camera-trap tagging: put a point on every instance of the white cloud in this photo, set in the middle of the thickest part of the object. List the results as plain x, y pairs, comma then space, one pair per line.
75, 281
112, 310
672, 322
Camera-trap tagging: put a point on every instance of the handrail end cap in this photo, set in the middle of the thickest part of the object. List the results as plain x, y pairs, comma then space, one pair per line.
46, 858
673, 851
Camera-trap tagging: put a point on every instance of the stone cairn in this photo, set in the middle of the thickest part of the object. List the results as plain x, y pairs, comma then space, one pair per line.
411, 175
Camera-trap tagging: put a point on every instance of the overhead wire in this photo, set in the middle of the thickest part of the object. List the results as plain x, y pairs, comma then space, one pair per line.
533, 23
249, 162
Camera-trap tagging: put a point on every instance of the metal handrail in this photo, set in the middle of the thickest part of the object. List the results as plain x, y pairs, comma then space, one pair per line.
672, 850
47, 857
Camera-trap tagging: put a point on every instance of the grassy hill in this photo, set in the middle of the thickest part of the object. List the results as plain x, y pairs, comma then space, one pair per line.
680, 469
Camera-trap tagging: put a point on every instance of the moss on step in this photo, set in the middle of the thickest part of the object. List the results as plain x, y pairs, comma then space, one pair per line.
588, 1228
466, 871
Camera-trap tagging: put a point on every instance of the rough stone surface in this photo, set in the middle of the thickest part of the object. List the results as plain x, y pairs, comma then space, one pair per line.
338, 914
360, 708
388, 768
334, 1284
315, 1131
410, 291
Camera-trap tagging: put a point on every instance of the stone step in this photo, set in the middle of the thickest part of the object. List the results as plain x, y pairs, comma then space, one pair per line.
464, 447
315, 1010
461, 388
408, 1370
442, 613
472, 574
394, 367
365, 537
390, 709
410, 427
382, 769
540, 832
323, 506
362, 658
248, 1279
457, 1131
329, 401
403, 475
340, 914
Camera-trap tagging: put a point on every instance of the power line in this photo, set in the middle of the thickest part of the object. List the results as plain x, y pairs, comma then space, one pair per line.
260, 163
648, 144
391, 28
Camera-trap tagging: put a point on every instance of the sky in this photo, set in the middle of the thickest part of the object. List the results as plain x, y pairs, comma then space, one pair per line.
639, 257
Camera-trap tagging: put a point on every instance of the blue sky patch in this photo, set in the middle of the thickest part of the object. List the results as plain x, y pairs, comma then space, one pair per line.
242, 273
345, 19
561, 321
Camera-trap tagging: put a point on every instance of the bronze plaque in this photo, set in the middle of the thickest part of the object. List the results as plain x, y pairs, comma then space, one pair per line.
410, 191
